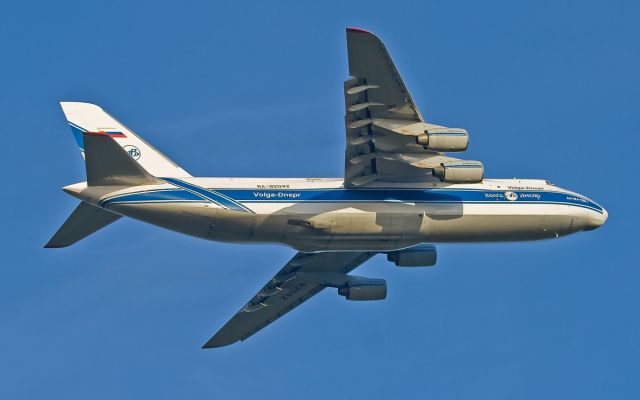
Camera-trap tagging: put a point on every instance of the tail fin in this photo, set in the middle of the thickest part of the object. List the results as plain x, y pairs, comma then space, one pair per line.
113, 155
82, 222
86, 118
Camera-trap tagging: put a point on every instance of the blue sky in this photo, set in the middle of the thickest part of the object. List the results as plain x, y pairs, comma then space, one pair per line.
546, 89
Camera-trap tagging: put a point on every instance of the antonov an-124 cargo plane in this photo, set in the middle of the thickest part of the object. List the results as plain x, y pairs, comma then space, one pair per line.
400, 194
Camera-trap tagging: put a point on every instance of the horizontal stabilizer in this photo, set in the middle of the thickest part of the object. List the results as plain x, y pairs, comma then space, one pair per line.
82, 222
109, 164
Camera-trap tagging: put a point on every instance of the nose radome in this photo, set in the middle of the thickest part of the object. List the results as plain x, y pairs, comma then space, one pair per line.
597, 220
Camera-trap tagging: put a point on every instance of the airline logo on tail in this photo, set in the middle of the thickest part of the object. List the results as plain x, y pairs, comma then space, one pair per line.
133, 151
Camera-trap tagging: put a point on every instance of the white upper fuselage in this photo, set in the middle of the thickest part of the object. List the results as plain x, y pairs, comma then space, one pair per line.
316, 214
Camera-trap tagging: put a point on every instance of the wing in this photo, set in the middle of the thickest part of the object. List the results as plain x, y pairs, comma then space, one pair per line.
375, 73
302, 277
387, 138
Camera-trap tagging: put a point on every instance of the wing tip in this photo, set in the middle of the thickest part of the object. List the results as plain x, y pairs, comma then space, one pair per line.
358, 30
214, 343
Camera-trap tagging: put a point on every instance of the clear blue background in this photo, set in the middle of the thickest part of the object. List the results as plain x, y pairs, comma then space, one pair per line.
547, 89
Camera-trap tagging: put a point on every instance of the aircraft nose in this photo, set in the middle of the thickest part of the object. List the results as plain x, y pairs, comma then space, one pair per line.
597, 220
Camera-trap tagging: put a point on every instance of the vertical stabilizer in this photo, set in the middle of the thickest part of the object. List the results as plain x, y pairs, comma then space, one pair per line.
86, 118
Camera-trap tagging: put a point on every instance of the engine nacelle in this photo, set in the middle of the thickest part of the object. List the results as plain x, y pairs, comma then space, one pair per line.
364, 289
424, 255
460, 172
444, 139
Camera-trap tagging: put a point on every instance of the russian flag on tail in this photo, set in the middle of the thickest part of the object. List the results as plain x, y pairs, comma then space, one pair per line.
112, 134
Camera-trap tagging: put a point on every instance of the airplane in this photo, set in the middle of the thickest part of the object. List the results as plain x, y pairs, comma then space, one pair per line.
399, 196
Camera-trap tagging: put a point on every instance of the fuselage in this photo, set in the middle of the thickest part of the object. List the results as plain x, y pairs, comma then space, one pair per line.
319, 214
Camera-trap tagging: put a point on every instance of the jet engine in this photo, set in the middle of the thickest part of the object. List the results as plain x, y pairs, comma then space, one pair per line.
444, 139
424, 255
460, 171
364, 289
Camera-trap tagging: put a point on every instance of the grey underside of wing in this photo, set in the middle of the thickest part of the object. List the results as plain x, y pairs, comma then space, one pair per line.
290, 287
371, 64
381, 119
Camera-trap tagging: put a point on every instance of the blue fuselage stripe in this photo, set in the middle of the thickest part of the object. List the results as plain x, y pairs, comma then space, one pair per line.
177, 195
232, 198
208, 194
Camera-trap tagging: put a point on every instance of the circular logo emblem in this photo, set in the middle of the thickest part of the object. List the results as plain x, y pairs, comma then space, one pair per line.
133, 151
510, 196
